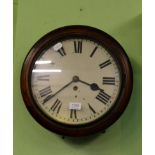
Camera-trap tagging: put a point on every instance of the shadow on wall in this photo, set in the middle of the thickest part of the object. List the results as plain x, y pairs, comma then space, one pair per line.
129, 35
125, 134
81, 140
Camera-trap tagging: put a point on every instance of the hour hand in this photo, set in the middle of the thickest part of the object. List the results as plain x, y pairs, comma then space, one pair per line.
93, 86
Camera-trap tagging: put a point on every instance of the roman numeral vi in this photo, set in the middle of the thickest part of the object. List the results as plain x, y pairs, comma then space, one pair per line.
73, 113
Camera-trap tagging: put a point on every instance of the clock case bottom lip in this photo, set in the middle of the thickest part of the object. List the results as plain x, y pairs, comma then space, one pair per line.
90, 128
98, 126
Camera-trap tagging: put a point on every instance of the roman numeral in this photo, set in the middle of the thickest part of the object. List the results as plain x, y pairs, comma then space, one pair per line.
73, 113
47, 99
78, 46
109, 80
56, 106
91, 55
91, 108
46, 91
43, 78
104, 64
62, 51
103, 97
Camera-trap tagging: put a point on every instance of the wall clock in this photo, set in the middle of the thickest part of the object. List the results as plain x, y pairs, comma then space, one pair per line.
76, 81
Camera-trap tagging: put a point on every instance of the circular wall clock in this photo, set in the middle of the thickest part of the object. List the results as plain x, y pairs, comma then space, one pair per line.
76, 81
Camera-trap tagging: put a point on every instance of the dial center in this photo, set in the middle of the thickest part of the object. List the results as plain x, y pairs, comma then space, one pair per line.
75, 78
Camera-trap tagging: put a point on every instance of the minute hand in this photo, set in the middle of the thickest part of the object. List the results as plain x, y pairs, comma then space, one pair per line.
51, 96
62, 88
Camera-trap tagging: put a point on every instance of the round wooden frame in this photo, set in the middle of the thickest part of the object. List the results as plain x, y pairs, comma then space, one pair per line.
115, 50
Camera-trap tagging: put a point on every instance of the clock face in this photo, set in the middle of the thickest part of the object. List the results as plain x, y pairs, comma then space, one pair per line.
92, 77
76, 81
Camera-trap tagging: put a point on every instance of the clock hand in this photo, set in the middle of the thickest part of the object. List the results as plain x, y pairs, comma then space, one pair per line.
62, 88
93, 86
51, 96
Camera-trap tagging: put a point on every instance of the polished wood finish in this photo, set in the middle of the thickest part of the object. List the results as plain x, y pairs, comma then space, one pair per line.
115, 50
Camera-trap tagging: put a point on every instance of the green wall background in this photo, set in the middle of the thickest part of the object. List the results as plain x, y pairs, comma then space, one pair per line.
119, 18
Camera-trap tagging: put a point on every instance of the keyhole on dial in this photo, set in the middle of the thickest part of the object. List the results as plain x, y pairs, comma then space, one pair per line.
75, 88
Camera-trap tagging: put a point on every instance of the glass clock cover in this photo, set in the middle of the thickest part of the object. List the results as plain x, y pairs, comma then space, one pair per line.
76, 80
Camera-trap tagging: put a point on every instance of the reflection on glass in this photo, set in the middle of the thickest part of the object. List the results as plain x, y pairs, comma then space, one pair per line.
46, 70
43, 62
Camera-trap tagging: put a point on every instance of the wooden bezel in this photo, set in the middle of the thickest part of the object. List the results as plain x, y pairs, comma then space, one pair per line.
114, 49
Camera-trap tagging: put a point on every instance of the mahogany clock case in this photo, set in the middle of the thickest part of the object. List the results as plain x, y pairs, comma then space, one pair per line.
112, 46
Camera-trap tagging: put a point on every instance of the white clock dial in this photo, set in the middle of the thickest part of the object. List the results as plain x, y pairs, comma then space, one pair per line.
75, 81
